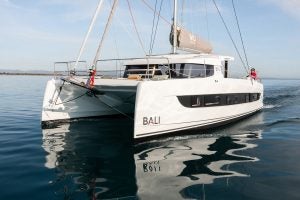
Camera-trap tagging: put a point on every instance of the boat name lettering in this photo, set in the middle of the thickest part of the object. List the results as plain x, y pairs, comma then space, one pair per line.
151, 120
151, 166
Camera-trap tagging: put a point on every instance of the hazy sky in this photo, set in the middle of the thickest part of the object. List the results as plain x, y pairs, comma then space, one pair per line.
36, 33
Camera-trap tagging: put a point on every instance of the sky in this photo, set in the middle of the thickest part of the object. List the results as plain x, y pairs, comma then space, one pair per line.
36, 33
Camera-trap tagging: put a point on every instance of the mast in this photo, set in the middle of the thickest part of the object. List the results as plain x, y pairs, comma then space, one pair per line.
175, 27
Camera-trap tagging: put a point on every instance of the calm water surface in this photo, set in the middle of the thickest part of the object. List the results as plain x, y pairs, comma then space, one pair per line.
256, 158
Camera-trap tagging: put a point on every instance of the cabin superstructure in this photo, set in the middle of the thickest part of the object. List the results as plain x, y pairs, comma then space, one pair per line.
174, 66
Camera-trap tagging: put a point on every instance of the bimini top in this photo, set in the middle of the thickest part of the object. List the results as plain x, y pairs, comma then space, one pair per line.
209, 59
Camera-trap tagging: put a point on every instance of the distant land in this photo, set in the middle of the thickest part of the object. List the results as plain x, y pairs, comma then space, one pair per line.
27, 72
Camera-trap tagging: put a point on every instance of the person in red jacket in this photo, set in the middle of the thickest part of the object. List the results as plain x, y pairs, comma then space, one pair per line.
90, 82
253, 74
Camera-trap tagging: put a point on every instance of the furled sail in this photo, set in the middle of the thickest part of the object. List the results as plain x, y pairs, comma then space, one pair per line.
188, 41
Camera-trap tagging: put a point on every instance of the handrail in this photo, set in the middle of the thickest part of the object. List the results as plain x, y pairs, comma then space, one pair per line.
162, 62
70, 71
136, 59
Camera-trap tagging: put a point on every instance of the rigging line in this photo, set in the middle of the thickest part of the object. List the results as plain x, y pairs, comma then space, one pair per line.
135, 27
125, 28
154, 37
115, 42
114, 108
238, 25
147, 4
207, 24
71, 99
88, 33
190, 18
60, 89
182, 8
117, 52
153, 21
228, 32
112, 11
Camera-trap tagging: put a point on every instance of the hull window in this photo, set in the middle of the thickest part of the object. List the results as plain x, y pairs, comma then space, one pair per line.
193, 101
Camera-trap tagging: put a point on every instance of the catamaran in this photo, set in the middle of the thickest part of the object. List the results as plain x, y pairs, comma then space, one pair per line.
160, 93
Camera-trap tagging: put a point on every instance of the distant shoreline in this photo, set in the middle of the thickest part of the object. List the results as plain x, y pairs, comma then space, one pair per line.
24, 74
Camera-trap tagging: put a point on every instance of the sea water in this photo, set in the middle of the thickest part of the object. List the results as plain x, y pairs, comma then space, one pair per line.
255, 158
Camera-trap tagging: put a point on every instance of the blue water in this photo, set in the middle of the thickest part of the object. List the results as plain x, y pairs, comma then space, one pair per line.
256, 158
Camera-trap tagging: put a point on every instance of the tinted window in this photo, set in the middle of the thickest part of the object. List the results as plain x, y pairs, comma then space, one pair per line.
212, 100
209, 70
178, 70
142, 70
217, 99
190, 70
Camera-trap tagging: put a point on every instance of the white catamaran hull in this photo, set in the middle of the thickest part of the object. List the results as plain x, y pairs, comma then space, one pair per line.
164, 113
158, 106
64, 100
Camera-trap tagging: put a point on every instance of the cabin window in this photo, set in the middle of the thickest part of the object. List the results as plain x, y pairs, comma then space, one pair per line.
179, 70
254, 97
191, 70
196, 101
212, 100
209, 70
217, 99
229, 100
194, 70
186, 101
143, 70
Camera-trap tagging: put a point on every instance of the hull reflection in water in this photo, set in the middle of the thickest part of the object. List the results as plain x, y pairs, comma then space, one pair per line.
92, 160
180, 164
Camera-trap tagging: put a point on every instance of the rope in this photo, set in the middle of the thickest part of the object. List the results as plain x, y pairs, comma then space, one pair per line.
228, 32
238, 25
164, 19
122, 113
116, 48
154, 37
206, 17
182, 8
88, 33
135, 28
153, 21
71, 99
105, 31
125, 28
60, 89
